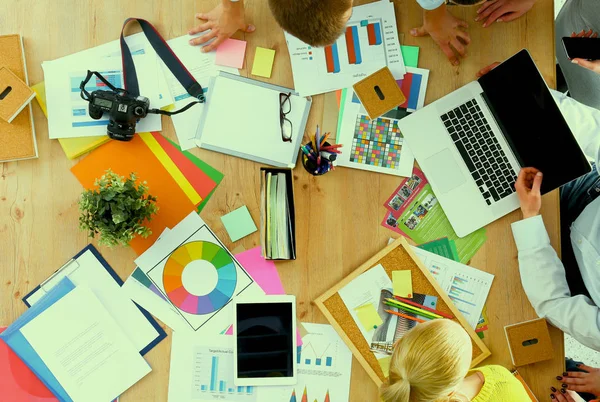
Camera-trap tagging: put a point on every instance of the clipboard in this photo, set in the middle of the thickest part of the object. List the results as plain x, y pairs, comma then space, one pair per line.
71, 266
242, 118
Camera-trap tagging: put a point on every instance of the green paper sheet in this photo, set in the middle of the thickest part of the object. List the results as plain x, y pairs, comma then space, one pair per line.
213, 173
238, 223
443, 247
410, 54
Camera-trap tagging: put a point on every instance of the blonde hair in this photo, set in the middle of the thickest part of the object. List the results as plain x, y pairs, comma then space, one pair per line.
429, 363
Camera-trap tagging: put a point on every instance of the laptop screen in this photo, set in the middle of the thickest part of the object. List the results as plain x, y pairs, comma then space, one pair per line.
531, 121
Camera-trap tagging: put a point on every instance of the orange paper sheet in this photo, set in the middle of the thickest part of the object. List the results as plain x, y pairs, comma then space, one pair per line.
134, 156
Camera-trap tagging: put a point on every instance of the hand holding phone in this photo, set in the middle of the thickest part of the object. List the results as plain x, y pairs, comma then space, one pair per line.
583, 49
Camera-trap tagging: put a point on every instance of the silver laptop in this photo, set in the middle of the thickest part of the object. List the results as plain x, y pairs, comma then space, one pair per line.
472, 143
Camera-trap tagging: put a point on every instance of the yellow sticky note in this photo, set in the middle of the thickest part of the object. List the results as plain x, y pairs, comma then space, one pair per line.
402, 283
368, 316
385, 365
263, 62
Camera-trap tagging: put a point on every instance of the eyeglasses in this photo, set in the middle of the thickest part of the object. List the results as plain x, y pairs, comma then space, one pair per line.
285, 107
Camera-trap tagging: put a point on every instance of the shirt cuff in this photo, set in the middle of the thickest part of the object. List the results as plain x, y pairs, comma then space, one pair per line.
430, 4
530, 233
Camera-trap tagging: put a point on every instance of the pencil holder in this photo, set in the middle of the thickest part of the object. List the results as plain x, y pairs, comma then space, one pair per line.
312, 166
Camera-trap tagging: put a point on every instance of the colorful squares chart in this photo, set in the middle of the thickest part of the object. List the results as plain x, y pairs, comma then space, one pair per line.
376, 142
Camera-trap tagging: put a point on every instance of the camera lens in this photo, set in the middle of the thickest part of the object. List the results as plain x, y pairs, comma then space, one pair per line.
139, 111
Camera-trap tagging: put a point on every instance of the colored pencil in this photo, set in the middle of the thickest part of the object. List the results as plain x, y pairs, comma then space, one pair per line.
324, 138
484, 328
407, 310
405, 316
410, 308
412, 303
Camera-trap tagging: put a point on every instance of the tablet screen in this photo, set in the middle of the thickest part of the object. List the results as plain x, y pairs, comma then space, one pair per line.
265, 340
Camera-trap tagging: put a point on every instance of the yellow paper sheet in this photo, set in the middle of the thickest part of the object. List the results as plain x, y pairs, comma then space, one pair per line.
402, 283
368, 316
170, 166
385, 365
263, 62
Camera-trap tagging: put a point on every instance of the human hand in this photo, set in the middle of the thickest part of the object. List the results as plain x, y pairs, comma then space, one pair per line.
590, 65
528, 187
487, 69
583, 382
563, 395
502, 10
222, 22
445, 30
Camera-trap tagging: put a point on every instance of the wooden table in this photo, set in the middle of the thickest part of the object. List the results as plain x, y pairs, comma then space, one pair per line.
338, 215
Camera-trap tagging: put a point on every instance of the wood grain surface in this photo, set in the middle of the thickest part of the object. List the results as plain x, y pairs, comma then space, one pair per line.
338, 215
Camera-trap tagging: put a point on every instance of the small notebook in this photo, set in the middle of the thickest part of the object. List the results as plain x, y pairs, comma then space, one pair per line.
242, 118
17, 138
14, 95
529, 342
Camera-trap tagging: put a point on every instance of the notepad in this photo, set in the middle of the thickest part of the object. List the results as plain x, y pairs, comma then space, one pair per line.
368, 316
402, 283
263, 62
231, 53
238, 223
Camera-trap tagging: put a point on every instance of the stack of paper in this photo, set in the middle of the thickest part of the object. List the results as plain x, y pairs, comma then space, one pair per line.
176, 179
277, 231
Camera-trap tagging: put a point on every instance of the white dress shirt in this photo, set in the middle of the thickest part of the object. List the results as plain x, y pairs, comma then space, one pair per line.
542, 272
430, 4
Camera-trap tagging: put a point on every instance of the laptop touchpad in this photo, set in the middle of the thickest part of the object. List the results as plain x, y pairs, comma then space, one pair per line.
444, 171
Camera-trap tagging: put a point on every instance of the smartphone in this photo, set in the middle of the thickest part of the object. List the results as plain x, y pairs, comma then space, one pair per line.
582, 48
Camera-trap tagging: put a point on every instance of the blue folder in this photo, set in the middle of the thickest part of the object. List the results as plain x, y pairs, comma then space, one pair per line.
161, 334
13, 337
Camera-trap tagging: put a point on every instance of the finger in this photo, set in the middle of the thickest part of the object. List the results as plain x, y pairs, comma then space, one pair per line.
250, 28
200, 28
460, 48
449, 54
588, 34
578, 388
537, 183
586, 368
464, 36
520, 183
573, 381
575, 374
595, 35
203, 39
462, 23
509, 17
202, 16
488, 11
484, 6
214, 44
495, 16
487, 69
420, 31
590, 65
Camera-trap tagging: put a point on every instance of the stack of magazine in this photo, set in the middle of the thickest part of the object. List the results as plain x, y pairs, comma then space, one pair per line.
277, 219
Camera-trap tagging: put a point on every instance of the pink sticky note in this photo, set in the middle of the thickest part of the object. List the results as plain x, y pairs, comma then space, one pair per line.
264, 274
231, 53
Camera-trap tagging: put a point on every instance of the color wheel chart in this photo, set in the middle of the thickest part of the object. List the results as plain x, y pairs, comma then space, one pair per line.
376, 142
212, 373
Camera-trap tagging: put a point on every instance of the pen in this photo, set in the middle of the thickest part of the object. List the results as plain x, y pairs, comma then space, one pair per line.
412, 303
405, 316
325, 139
307, 153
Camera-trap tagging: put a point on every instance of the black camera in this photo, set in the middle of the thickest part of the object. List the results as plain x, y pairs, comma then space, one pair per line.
123, 110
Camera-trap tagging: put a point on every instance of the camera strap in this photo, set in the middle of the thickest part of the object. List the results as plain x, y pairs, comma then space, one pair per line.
162, 49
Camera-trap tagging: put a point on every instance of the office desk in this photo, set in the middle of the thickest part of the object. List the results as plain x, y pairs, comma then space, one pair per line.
338, 215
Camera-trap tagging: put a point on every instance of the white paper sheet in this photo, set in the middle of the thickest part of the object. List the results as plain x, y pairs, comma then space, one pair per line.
202, 370
467, 287
324, 369
366, 288
85, 348
242, 119
68, 113
86, 270
202, 66
312, 75
189, 251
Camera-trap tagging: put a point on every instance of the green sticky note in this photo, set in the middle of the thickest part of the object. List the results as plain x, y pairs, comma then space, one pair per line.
238, 223
410, 54
263, 62
402, 283
368, 316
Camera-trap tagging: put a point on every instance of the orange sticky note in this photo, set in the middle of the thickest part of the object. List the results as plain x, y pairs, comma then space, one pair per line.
135, 156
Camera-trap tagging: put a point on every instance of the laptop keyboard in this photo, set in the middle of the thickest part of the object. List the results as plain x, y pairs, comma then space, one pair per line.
479, 148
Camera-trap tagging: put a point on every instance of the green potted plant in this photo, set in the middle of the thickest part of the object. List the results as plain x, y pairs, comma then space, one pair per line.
117, 209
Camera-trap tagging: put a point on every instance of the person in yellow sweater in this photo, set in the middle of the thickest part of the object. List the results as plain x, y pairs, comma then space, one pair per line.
431, 363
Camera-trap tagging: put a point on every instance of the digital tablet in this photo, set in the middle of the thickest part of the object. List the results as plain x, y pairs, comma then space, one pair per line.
265, 341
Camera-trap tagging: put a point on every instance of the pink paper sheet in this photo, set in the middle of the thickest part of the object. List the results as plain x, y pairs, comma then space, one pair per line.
265, 274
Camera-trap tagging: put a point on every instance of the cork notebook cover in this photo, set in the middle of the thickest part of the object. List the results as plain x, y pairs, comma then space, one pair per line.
529, 342
17, 139
396, 256
14, 95
379, 93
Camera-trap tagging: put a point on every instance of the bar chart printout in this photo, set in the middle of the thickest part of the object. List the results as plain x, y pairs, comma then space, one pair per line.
213, 377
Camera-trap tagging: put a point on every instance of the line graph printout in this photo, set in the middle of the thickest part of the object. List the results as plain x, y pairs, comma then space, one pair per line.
369, 43
467, 287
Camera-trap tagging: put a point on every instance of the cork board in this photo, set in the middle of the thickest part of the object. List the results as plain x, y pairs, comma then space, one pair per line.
18, 138
529, 342
396, 256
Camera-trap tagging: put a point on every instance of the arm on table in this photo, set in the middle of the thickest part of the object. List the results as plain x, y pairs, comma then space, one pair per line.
544, 282
222, 21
